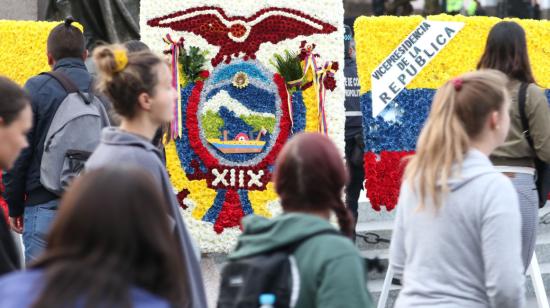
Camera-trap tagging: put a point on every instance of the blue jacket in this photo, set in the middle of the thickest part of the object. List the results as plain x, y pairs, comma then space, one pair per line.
20, 290
47, 94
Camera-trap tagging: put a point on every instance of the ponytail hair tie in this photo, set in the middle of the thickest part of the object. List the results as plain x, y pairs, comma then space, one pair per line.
121, 60
68, 21
457, 83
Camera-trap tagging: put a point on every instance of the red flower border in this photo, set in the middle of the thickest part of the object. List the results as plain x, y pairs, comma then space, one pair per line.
383, 174
212, 162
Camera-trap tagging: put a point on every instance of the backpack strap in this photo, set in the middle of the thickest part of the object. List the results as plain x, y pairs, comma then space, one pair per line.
68, 85
65, 82
522, 98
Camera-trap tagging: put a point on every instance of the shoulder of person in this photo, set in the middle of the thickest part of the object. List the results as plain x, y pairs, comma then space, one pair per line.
36, 83
145, 299
20, 281
331, 246
496, 186
534, 92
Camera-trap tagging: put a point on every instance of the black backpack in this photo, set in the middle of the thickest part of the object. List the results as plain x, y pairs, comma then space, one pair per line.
273, 272
543, 171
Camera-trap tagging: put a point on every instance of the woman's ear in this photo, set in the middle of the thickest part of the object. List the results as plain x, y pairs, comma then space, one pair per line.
494, 120
144, 101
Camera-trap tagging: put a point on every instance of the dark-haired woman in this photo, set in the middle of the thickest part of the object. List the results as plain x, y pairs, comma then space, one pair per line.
332, 274
506, 51
15, 122
140, 88
96, 258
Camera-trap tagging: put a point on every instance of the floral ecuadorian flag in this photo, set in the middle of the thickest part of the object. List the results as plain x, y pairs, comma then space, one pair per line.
392, 135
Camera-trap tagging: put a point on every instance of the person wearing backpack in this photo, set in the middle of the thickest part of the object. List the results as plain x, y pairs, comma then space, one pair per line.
140, 87
528, 143
456, 236
32, 205
299, 257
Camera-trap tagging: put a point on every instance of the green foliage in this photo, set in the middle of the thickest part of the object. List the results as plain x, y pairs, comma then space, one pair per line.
211, 123
259, 122
289, 66
192, 62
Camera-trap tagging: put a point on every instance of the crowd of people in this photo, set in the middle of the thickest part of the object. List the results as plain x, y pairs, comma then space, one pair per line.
113, 237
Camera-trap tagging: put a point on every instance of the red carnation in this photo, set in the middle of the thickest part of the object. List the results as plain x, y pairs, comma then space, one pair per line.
330, 83
204, 74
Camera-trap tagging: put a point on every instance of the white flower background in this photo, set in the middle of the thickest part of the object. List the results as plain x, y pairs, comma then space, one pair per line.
330, 48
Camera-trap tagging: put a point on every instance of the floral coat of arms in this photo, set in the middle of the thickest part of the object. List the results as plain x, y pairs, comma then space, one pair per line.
251, 74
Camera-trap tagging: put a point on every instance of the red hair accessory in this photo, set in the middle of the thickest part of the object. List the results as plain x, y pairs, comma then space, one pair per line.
457, 83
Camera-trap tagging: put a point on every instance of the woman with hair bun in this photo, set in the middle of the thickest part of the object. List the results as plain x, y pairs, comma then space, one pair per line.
140, 87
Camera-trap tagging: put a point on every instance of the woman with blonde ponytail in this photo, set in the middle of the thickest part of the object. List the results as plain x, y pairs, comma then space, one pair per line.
309, 178
456, 240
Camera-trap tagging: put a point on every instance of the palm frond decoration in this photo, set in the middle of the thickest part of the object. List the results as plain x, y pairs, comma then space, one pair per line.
289, 66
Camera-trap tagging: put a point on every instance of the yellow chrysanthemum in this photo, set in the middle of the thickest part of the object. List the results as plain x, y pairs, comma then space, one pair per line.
23, 48
377, 37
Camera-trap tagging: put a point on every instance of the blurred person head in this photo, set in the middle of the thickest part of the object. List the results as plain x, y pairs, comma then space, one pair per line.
111, 234
15, 121
310, 177
349, 43
66, 41
136, 46
506, 51
139, 84
470, 111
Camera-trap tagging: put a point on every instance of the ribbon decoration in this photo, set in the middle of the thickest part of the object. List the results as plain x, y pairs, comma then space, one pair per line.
291, 84
326, 71
319, 75
176, 124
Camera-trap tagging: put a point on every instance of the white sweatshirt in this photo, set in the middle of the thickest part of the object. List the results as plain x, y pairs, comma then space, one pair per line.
468, 254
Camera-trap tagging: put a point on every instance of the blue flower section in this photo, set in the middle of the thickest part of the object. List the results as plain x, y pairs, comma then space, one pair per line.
409, 110
252, 97
214, 211
299, 112
232, 123
247, 206
183, 147
227, 72
548, 95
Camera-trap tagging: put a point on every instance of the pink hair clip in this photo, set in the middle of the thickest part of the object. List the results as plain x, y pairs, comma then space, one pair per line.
457, 83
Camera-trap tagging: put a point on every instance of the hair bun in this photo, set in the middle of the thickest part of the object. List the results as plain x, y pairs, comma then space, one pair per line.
104, 58
68, 21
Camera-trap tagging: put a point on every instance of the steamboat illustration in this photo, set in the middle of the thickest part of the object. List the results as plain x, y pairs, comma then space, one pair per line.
241, 144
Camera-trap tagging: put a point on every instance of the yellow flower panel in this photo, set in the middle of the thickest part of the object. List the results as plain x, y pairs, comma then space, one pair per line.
23, 48
260, 199
312, 109
202, 196
377, 37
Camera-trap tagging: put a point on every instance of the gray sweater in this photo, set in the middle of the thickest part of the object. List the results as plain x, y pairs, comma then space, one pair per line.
469, 253
121, 148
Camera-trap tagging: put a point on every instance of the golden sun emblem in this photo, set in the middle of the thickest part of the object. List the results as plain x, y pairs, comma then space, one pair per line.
240, 80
